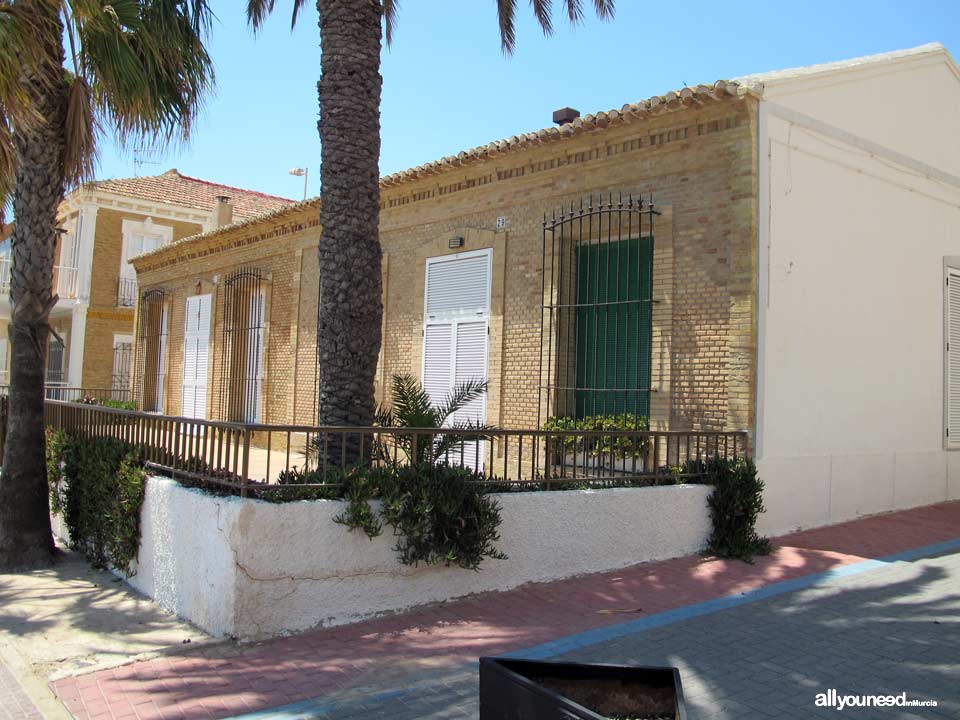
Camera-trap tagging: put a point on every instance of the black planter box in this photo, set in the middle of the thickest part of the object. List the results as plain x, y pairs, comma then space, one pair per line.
532, 690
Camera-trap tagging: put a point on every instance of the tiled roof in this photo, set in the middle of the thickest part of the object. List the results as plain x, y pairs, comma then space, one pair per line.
176, 189
687, 97
656, 105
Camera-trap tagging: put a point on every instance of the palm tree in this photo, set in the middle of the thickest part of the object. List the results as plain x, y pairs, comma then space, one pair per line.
138, 67
348, 332
412, 409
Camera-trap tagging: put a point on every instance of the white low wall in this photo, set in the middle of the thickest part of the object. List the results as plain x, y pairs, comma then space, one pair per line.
803, 492
253, 569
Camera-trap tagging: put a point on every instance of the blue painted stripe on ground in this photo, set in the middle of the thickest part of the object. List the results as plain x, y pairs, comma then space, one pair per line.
305, 709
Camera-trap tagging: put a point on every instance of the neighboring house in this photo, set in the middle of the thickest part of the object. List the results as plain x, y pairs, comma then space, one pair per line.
105, 224
792, 282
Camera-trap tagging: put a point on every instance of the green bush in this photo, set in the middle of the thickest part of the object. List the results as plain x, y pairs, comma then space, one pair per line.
617, 447
735, 503
440, 514
119, 404
98, 486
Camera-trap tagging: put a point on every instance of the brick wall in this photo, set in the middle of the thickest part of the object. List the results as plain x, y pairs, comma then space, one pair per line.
104, 317
700, 166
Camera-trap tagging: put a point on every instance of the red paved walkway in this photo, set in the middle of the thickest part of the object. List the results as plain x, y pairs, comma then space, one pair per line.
233, 679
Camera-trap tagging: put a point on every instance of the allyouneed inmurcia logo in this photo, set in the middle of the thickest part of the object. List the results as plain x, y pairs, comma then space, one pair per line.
832, 698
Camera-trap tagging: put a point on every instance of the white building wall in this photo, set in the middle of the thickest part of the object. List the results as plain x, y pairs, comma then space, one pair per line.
852, 245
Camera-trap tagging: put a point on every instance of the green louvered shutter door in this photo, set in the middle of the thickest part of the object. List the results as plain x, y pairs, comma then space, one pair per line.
614, 327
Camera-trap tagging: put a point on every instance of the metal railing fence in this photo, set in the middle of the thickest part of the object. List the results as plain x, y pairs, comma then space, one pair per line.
250, 458
66, 393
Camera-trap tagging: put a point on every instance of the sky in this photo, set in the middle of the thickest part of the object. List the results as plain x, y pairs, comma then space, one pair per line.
448, 87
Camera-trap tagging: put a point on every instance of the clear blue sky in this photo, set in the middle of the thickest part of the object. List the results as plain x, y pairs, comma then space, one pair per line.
447, 86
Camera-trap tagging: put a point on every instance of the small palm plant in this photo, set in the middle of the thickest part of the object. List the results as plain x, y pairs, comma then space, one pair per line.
412, 408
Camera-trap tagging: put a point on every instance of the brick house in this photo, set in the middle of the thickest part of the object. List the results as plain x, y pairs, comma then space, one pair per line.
105, 224
739, 304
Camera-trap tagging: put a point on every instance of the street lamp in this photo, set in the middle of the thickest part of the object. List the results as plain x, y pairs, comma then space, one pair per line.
304, 173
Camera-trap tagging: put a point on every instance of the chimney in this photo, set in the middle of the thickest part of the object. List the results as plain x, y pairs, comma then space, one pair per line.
565, 116
222, 211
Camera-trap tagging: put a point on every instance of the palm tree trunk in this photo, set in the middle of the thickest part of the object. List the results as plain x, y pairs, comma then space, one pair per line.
348, 332
25, 536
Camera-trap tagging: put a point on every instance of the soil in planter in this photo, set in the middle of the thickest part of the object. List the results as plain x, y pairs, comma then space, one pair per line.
617, 699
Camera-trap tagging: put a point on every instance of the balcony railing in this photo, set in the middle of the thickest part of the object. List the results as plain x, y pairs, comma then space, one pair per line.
254, 459
65, 282
61, 391
5, 264
64, 279
126, 292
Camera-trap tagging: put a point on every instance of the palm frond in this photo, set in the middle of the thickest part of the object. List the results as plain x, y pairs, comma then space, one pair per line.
411, 403
297, 7
605, 9
22, 33
146, 65
460, 396
257, 12
81, 134
390, 10
506, 17
543, 11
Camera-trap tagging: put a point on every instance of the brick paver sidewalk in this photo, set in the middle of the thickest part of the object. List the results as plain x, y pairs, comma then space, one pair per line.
15, 704
434, 641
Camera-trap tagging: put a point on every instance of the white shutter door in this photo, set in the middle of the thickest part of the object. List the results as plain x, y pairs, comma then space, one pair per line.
162, 357
457, 307
953, 359
203, 357
437, 365
470, 363
458, 285
254, 380
196, 343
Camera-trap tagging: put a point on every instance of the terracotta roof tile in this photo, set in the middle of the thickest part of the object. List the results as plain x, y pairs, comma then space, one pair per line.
656, 105
176, 189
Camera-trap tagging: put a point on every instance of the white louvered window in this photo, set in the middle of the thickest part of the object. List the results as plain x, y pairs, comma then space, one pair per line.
253, 365
455, 336
140, 238
952, 360
196, 354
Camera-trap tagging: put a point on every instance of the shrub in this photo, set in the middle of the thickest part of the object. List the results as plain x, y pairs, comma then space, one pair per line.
735, 503
98, 485
617, 447
441, 514
108, 403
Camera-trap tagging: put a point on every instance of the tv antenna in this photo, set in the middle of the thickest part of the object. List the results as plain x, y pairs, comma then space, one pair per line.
139, 162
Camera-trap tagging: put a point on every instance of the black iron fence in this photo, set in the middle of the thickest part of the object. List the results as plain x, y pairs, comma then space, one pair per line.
250, 458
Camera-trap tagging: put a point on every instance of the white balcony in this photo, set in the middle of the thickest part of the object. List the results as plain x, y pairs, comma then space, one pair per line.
4, 275
64, 279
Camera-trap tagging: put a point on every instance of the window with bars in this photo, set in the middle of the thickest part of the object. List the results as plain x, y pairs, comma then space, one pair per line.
597, 321
243, 322
122, 362
150, 362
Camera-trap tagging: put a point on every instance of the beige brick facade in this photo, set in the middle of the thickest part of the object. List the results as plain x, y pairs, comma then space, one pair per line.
105, 318
699, 164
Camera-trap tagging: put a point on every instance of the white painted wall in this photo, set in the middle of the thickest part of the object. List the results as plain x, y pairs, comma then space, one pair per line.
852, 244
254, 569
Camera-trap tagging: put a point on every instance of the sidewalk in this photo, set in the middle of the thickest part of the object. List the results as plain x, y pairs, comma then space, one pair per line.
71, 619
368, 668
